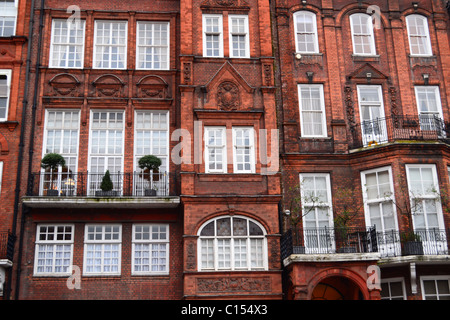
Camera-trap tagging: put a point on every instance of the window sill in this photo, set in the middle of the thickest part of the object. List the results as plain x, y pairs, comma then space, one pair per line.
363, 58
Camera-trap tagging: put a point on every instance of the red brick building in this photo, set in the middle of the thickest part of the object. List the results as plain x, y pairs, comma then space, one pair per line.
230, 196
316, 210
117, 81
106, 96
13, 50
364, 119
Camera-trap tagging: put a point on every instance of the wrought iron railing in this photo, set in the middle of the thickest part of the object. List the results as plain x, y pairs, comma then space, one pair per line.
328, 240
390, 129
392, 243
7, 241
87, 184
421, 242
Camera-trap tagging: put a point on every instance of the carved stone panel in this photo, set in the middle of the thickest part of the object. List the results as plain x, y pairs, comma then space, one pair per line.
228, 96
108, 85
64, 84
153, 87
234, 284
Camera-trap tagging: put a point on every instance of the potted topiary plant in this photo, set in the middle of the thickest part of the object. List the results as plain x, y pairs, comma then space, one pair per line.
150, 164
51, 161
106, 186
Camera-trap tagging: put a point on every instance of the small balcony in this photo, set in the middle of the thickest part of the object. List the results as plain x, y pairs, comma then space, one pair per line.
7, 240
325, 240
136, 189
399, 128
430, 242
390, 244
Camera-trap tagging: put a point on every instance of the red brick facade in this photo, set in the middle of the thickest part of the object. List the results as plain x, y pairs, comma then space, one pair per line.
252, 105
195, 92
343, 73
13, 51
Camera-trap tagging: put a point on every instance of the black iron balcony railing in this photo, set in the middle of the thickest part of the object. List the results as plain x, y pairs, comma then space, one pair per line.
328, 240
356, 240
424, 242
384, 130
87, 184
7, 240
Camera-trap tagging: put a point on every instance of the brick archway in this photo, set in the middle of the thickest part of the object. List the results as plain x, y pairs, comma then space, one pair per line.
348, 283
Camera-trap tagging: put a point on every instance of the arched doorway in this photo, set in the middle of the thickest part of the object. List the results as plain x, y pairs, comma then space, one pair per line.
336, 288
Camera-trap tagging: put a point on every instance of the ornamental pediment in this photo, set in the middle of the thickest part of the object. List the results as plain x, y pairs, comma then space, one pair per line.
227, 90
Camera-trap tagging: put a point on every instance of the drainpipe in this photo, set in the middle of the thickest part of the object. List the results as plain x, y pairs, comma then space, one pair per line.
21, 146
31, 147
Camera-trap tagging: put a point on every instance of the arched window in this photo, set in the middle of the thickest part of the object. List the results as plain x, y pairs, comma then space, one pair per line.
305, 26
419, 36
362, 34
232, 243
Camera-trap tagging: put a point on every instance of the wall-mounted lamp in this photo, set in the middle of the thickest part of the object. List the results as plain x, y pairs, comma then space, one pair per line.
304, 2
415, 5
287, 212
369, 76
310, 76
298, 56
426, 78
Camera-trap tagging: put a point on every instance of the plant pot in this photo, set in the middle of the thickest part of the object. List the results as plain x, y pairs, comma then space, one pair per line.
413, 248
298, 250
150, 192
52, 193
347, 250
111, 193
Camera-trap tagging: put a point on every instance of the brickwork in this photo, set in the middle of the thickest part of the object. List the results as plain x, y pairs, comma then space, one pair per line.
204, 99
340, 71
13, 50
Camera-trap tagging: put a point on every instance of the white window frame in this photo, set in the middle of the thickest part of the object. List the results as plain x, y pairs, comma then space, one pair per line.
9, 15
370, 35
106, 155
95, 180
164, 157
68, 45
321, 111
328, 204
55, 243
232, 252
150, 242
97, 46
65, 183
7, 73
140, 45
381, 135
223, 147
437, 96
102, 242
380, 199
427, 195
246, 33
433, 278
63, 129
394, 280
219, 33
428, 51
314, 33
251, 150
